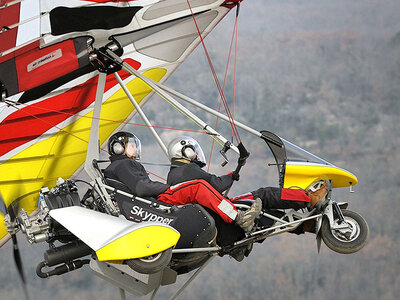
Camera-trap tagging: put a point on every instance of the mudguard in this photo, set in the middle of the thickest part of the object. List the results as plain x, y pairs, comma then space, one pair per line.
304, 174
114, 238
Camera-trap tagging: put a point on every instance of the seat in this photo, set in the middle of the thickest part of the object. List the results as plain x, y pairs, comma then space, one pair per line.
195, 224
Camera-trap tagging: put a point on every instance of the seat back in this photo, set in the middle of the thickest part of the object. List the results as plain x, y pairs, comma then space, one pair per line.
194, 223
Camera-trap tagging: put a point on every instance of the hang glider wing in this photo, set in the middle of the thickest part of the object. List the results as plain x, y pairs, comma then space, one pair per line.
48, 74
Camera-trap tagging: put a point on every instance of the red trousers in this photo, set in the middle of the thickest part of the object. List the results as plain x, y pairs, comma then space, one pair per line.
200, 192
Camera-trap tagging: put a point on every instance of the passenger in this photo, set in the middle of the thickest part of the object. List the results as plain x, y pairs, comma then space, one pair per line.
187, 160
125, 150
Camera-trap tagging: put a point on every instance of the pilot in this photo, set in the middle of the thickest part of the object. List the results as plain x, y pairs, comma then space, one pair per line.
187, 160
125, 148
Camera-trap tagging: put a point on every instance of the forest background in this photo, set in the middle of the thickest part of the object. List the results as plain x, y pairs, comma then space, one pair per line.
324, 75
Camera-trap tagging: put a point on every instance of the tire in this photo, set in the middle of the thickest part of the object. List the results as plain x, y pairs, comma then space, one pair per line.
348, 240
151, 264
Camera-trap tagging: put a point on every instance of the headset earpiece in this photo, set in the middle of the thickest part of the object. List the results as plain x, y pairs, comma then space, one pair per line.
118, 148
189, 152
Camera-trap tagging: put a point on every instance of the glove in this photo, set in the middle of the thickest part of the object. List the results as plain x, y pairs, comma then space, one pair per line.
243, 155
242, 161
235, 176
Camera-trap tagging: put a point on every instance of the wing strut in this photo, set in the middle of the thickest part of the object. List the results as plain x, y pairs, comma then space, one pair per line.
94, 148
122, 294
154, 293
141, 114
215, 113
208, 109
208, 129
193, 277
220, 89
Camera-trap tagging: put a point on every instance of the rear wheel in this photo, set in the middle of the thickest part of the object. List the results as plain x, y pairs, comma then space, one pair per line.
346, 240
151, 264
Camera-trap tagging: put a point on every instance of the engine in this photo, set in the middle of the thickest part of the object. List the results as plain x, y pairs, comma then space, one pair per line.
40, 227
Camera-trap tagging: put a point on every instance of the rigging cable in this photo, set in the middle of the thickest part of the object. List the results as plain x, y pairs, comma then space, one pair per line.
170, 103
8, 102
14, 105
223, 99
232, 121
234, 36
47, 110
235, 61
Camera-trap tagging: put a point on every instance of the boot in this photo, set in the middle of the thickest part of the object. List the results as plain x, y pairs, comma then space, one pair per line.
317, 196
245, 219
309, 226
240, 253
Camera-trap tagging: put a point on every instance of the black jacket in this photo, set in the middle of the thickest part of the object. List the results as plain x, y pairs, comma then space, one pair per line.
181, 172
134, 176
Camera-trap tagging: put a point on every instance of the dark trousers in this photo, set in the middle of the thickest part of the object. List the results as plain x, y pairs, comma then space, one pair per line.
277, 198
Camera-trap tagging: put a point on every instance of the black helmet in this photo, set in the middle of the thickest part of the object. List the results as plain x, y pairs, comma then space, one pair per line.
124, 143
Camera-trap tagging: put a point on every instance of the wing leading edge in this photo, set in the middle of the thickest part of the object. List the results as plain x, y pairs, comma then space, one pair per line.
47, 137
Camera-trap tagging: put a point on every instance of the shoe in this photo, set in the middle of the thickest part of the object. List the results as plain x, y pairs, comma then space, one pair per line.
309, 226
317, 195
245, 219
240, 253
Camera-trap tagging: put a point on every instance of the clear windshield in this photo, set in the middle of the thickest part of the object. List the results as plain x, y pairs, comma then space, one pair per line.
288, 153
297, 154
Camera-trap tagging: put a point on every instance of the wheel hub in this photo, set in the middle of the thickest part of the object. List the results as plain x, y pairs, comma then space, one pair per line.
348, 234
151, 258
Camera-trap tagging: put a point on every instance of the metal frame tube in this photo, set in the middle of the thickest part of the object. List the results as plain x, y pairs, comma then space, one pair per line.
208, 109
262, 234
93, 147
288, 224
194, 250
142, 114
122, 293
206, 128
166, 208
192, 278
274, 218
153, 295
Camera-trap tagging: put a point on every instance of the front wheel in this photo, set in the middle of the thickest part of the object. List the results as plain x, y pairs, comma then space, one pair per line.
346, 240
151, 264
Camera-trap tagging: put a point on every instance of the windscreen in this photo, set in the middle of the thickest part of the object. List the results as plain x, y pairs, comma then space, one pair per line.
297, 154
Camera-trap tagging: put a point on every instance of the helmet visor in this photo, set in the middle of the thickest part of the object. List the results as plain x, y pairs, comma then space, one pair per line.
200, 154
133, 147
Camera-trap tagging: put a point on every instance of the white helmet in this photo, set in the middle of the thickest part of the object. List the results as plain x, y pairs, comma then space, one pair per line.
188, 148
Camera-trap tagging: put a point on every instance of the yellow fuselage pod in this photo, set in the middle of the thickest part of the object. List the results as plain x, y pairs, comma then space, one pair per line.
113, 238
144, 241
304, 174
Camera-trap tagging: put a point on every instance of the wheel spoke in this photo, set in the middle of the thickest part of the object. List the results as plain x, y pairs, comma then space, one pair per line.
347, 234
346, 239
